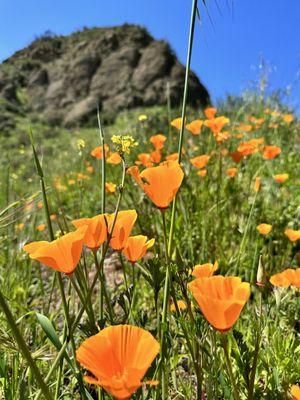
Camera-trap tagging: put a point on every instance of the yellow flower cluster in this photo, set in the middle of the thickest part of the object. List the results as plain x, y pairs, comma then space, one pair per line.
123, 144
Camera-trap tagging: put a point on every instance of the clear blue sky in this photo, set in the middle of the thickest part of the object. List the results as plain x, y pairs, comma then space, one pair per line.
227, 48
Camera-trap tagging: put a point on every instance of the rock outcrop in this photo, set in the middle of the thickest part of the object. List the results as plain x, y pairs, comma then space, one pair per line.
62, 79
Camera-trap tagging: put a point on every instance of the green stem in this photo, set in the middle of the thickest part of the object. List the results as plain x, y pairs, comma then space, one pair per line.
99, 268
23, 348
256, 352
59, 277
183, 113
243, 242
58, 379
89, 307
124, 271
103, 163
163, 326
224, 341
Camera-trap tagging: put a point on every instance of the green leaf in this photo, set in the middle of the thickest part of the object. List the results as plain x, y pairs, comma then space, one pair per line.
48, 328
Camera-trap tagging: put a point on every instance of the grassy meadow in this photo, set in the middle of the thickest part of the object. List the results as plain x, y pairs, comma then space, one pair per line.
209, 309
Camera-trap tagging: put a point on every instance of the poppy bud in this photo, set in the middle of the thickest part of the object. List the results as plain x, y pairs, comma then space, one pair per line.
261, 273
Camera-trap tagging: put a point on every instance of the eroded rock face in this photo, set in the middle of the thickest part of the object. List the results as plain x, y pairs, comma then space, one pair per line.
62, 79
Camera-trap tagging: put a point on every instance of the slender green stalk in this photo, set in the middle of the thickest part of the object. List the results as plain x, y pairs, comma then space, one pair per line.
256, 351
224, 342
241, 248
183, 113
99, 265
168, 95
89, 307
23, 347
124, 271
58, 379
59, 277
53, 367
163, 325
103, 163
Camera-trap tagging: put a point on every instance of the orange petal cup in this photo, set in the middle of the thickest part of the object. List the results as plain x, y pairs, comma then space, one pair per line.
122, 229
160, 183
96, 232
62, 254
136, 247
118, 358
221, 299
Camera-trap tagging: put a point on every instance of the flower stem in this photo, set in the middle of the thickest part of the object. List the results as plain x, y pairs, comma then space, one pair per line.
183, 112
23, 347
256, 352
103, 163
224, 342
103, 180
59, 277
163, 326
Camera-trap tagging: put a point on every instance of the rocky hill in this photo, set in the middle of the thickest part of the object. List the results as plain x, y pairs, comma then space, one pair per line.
61, 79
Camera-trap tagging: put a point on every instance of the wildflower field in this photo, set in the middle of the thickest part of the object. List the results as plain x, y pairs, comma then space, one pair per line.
155, 258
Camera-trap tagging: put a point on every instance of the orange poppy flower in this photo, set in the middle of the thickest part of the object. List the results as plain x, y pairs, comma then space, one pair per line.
62, 254
221, 137
158, 141
245, 128
160, 183
256, 121
96, 232
110, 187
41, 227
202, 173
236, 156
90, 169
210, 112
231, 172
144, 159
250, 147
205, 270
177, 123
195, 126
221, 299
82, 177
216, 124
288, 277
136, 247
257, 184
155, 157
264, 229
180, 304
295, 392
114, 158
270, 152
288, 118
98, 153
122, 229
281, 178
172, 157
20, 226
239, 135
200, 161
118, 357
292, 234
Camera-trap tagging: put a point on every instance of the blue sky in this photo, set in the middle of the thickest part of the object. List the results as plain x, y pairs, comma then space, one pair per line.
228, 45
